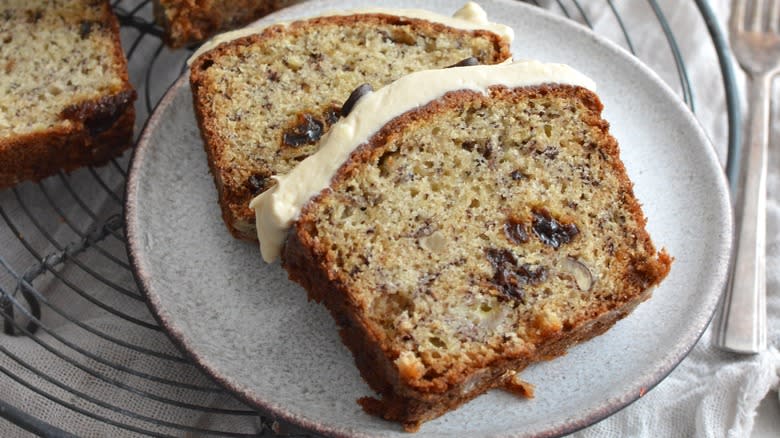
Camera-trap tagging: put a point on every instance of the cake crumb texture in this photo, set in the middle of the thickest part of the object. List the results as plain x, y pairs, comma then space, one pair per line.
265, 100
65, 98
471, 237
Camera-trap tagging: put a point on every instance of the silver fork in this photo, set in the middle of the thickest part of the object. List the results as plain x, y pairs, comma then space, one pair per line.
755, 39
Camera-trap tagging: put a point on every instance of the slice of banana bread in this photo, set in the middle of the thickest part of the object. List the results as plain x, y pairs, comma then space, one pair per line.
264, 100
65, 99
486, 224
186, 21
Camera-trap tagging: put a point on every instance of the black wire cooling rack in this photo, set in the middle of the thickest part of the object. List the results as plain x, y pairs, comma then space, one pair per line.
72, 311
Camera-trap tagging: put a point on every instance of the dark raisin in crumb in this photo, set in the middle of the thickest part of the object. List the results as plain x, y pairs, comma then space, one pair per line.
307, 131
510, 278
332, 114
34, 15
550, 231
273, 76
257, 183
550, 152
515, 231
486, 150
517, 175
424, 231
85, 29
468, 62
354, 97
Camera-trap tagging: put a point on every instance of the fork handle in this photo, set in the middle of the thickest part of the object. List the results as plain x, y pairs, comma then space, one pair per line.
742, 325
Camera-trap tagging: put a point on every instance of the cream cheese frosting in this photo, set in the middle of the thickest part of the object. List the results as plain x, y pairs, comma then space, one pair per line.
277, 208
470, 17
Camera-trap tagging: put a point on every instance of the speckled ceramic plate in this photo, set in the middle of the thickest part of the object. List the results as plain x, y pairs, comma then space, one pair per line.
254, 331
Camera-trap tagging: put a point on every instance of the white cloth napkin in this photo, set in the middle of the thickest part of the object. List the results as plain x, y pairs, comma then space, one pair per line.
710, 394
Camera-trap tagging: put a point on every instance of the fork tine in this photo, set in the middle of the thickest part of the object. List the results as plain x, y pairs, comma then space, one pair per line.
774, 16
738, 16
755, 24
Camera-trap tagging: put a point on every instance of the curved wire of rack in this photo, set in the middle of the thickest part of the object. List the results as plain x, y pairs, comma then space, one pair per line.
51, 266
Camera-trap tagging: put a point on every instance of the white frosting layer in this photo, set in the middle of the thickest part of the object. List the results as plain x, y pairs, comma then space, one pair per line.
470, 17
277, 208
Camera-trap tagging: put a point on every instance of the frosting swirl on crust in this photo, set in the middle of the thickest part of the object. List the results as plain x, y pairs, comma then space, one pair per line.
470, 17
277, 208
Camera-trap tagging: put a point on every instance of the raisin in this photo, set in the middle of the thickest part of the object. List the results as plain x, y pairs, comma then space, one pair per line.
550, 152
101, 114
424, 231
468, 62
307, 131
353, 98
85, 29
550, 231
34, 15
517, 175
257, 183
509, 277
469, 146
332, 114
486, 150
273, 76
515, 231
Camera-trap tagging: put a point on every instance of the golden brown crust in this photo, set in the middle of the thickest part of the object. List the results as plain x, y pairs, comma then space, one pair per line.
38, 155
229, 200
234, 197
95, 131
187, 22
412, 398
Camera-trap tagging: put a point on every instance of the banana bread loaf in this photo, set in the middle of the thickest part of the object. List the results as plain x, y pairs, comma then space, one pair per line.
263, 100
485, 224
186, 21
65, 99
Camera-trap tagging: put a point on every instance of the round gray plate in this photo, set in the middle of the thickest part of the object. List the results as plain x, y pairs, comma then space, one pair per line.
253, 330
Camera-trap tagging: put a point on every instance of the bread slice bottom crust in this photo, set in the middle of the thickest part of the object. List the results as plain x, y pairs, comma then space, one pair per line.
94, 133
413, 410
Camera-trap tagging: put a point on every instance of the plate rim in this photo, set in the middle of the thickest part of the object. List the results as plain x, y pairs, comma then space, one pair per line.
597, 413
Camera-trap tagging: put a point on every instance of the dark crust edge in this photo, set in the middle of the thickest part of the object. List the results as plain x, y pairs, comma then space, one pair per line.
234, 201
101, 128
412, 404
184, 23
